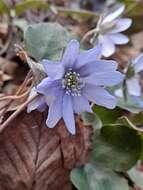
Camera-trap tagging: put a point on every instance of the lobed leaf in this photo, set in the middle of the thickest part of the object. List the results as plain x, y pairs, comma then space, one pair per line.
91, 119
107, 116
116, 147
92, 177
46, 40
136, 176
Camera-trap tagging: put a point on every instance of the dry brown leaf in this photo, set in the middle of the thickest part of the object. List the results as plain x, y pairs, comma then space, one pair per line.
8, 66
34, 157
3, 30
137, 40
124, 55
137, 188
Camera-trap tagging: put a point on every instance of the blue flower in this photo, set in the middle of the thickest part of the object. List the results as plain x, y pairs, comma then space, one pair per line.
38, 103
132, 79
108, 31
78, 78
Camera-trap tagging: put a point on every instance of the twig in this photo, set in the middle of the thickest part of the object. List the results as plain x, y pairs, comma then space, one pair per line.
16, 113
18, 92
16, 97
25, 82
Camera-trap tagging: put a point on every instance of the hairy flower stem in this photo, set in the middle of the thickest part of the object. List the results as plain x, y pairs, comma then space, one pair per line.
89, 33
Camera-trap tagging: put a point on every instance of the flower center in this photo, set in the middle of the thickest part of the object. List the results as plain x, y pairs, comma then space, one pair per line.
72, 83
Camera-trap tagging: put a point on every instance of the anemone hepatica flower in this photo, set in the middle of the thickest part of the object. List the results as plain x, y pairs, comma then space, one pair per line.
38, 103
78, 78
108, 31
132, 80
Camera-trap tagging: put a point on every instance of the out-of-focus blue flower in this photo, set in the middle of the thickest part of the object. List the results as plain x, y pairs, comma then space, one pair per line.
132, 80
78, 78
108, 31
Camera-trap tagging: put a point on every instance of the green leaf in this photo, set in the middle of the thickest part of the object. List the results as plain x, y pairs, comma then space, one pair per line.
4, 7
91, 119
116, 147
104, 179
137, 119
136, 176
23, 6
107, 116
141, 156
46, 40
20, 23
79, 179
94, 178
126, 122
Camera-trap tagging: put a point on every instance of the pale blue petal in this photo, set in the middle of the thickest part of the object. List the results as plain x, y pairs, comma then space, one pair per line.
98, 66
104, 78
119, 92
108, 47
88, 56
54, 70
138, 63
100, 96
68, 114
81, 104
55, 111
71, 54
43, 85
42, 105
113, 15
122, 24
133, 86
48, 86
119, 38
38, 103
138, 100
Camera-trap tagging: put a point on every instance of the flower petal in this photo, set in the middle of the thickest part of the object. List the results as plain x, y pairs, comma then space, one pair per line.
104, 78
48, 86
54, 70
119, 38
122, 24
71, 54
55, 111
97, 66
138, 63
138, 100
108, 47
38, 103
119, 92
113, 15
68, 114
100, 96
133, 87
88, 56
81, 104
